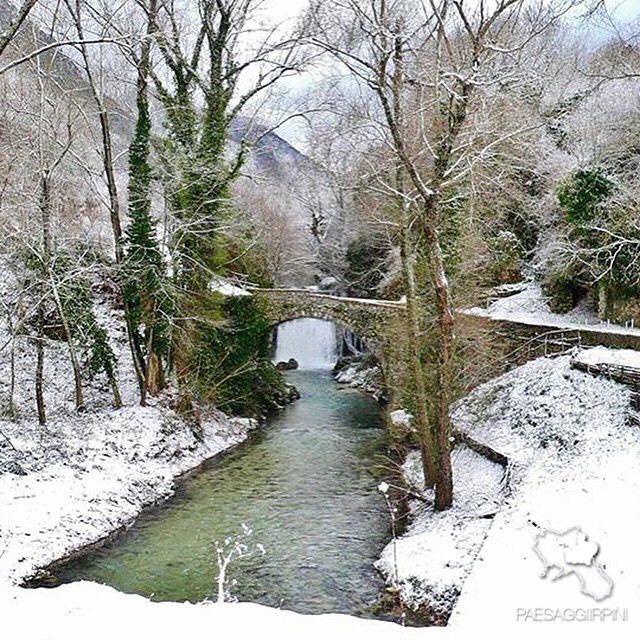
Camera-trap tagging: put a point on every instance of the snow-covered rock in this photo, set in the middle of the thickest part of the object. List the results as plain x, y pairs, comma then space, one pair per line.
400, 418
328, 283
362, 377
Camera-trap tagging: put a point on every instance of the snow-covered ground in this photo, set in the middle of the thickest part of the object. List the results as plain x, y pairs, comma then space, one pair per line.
86, 610
431, 560
573, 462
600, 493
81, 476
529, 306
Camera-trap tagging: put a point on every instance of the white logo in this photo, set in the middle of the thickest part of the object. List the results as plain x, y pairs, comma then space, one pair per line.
571, 552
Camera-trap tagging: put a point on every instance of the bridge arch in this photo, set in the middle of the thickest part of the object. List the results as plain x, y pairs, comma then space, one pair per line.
368, 319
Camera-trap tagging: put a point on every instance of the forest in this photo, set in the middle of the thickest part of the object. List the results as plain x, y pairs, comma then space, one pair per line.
160, 160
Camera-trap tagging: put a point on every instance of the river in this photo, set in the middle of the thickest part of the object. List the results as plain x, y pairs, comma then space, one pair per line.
305, 484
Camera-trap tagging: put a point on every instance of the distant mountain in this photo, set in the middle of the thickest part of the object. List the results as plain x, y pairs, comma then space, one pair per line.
286, 192
280, 187
30, 37
270, 153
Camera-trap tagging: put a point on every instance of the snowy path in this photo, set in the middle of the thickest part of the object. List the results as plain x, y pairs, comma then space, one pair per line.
530, 307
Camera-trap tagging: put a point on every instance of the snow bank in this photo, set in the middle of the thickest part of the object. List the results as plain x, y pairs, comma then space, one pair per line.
77, 479
432, 559
603, 355
600, 493
545, 404
86, 610
576, 458
88, 475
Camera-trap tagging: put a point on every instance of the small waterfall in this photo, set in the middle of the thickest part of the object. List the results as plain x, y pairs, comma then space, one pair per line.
351, 344
313, 343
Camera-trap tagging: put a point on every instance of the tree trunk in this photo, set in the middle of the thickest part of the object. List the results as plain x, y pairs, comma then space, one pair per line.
12, 380
182, 348
13, 328
116, 227
75, 365
427, 449
45, 211
46, 250
425, 434
154, 381
140, 209
117, 398
444, 484
16, 23
42, 417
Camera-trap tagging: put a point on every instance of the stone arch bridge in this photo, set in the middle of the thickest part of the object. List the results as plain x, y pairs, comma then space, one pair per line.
369, 319
513, 341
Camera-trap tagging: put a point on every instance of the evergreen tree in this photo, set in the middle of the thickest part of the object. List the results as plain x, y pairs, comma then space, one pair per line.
145, 282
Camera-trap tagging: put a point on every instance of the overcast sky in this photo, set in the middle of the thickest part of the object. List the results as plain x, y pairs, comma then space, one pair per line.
288, 10
625, 9
285, 9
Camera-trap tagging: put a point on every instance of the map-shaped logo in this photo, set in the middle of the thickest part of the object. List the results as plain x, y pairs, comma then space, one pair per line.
571, 552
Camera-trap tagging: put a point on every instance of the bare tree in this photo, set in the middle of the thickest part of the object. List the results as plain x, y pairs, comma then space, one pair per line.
428, 63
15, 24
77, 10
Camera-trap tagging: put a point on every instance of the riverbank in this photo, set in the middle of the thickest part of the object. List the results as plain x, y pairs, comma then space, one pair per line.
83, 608
430, 561
80, 478
364, 373
572, 463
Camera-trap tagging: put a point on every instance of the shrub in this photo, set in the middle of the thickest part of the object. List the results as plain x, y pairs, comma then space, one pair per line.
581, 195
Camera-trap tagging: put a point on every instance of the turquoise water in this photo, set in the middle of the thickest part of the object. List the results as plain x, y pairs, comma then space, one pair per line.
305, 484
